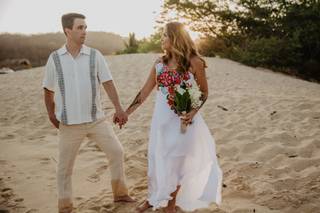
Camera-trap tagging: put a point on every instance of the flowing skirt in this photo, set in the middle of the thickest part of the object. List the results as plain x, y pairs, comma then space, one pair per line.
188, 160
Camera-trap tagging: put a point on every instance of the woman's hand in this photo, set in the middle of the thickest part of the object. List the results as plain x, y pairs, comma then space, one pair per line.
187, 118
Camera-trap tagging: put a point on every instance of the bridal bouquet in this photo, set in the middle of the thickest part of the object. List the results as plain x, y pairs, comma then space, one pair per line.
182, 92
184, 97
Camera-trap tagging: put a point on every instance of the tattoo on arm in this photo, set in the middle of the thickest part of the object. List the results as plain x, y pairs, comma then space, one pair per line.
203, 98
136, 102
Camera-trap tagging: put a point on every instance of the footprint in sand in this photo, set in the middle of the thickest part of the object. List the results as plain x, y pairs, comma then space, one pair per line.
286, 139
7, 137
32, 211
229, 152
96, 176
18, 200
107, 207
6, 192
45, 160
267, 153
139, 188
79, 198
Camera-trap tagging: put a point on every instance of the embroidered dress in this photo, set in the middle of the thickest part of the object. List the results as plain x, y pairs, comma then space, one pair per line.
188, 159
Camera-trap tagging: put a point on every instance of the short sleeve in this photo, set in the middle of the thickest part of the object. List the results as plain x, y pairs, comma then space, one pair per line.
104, 73
48, 80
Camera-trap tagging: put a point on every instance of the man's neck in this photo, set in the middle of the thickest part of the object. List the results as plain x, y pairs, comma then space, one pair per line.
73, 48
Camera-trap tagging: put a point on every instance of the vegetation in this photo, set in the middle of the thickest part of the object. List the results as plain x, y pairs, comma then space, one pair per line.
279, 34
35, 49
146, 45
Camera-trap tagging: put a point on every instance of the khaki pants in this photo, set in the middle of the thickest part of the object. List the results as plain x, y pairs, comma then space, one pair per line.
70, 138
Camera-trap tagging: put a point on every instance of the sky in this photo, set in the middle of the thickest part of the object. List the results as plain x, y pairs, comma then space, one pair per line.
118, 16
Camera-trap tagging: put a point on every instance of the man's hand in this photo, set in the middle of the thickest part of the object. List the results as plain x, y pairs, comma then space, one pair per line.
49, 101
54, 121
120, 117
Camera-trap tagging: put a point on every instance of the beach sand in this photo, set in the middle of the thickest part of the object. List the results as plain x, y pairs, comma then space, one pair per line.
266, 126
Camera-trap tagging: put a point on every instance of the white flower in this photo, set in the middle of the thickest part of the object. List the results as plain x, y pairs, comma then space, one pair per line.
180, 90
195, 95
191, 82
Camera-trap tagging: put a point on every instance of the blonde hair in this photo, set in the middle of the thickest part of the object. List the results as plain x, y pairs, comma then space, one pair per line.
182, 46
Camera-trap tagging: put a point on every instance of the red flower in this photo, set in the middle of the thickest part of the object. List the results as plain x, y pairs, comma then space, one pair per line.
170, 102
186, 76
177, 81
171, 90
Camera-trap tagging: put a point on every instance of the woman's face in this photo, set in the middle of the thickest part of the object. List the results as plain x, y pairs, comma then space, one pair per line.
165, 41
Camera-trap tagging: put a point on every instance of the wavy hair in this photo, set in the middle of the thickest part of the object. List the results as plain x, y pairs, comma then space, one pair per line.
182, 46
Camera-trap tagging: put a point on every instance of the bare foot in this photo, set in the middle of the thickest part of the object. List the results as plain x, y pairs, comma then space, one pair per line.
125, 198
66, 210
143, 206
170, 209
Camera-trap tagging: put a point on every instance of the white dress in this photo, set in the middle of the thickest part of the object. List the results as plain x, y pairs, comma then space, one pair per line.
188, 159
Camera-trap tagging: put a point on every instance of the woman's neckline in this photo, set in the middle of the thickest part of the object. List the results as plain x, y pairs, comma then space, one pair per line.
170, 68
175, 68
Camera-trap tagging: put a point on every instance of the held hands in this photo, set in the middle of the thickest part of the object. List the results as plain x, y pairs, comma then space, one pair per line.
120, 117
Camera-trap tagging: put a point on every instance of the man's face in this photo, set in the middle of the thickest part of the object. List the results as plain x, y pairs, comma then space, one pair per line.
78, 32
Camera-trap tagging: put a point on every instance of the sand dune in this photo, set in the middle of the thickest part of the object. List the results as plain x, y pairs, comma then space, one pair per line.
266, 126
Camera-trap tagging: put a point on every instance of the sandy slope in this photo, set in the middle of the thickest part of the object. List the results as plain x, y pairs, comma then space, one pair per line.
266, 126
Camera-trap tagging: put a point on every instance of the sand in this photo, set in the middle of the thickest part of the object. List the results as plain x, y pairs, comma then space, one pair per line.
266, 126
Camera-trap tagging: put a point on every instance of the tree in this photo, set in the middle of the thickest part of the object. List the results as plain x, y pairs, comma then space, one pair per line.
131, 45
278, 33
151, 44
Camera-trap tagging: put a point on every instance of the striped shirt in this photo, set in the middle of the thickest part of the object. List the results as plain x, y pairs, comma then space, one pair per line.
76, 84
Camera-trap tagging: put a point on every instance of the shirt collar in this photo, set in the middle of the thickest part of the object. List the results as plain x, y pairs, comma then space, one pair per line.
62, 50
84, 50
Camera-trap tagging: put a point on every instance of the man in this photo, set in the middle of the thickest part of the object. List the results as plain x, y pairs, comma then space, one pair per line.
73, 75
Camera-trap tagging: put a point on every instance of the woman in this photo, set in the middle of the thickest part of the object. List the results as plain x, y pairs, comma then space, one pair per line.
182, 167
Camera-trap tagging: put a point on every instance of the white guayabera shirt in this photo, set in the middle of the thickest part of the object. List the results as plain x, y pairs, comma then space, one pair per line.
76, 84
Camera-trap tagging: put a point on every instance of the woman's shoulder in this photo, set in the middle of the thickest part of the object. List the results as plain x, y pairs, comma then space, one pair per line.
196, 61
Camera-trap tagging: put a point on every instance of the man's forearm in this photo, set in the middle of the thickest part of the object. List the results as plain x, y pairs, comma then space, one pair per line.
50, 105
49, 101
112, 94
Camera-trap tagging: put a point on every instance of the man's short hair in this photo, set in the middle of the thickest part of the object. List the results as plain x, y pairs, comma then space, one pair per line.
67, 20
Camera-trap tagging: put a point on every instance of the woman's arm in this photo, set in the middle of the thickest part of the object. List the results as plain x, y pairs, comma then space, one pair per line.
144, 92
198, 67
198, 70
